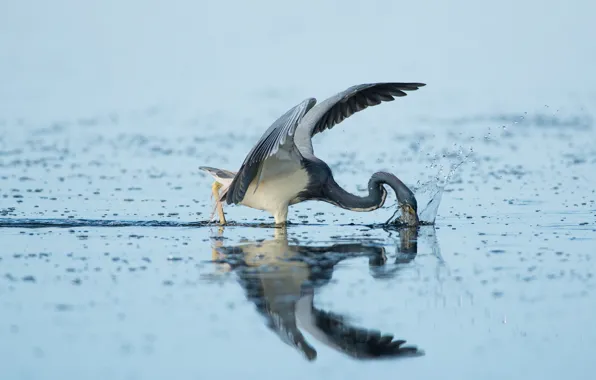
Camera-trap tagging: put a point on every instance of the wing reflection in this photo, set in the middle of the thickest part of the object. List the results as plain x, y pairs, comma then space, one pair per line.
281, 279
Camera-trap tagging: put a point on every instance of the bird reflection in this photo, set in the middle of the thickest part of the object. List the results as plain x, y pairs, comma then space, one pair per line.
281, 277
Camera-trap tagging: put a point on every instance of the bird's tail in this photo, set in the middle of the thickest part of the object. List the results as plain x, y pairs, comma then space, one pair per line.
223, 177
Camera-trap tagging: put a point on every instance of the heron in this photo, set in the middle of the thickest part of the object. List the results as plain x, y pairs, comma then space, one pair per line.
282, 170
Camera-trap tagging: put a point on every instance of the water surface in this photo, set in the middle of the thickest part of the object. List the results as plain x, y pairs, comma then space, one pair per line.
110, 267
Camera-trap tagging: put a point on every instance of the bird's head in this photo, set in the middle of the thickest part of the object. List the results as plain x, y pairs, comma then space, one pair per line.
407, 204
405, 198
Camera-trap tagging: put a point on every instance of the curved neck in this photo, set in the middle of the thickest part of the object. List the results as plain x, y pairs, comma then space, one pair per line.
376, 193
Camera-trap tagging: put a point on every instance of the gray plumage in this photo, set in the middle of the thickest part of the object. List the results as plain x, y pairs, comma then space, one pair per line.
219, 173
278, 135
283, 159
294, 129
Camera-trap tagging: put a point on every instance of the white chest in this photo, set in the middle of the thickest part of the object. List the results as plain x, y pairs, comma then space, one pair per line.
276, 189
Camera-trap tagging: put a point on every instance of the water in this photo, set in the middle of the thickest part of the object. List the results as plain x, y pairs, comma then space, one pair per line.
109, 266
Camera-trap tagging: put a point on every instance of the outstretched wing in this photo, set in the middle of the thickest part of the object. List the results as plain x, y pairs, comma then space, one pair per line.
280, 136
339, 107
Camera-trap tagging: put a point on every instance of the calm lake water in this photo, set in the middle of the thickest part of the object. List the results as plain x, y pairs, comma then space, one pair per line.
109, 268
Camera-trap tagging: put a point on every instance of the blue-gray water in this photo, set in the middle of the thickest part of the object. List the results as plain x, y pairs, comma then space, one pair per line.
107, 109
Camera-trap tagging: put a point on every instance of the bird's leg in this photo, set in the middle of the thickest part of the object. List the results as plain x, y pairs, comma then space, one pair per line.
281, 215
215, 190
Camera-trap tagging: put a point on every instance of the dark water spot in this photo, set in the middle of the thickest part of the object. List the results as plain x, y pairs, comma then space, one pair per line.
63, 307
174, 258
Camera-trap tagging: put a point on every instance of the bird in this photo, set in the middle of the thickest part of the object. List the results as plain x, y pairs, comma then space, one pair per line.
282, 279
282, 170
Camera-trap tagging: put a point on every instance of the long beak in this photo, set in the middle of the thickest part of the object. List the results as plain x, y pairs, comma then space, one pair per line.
408, 216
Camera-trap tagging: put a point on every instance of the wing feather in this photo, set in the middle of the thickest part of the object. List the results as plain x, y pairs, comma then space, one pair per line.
280, 134
339, 107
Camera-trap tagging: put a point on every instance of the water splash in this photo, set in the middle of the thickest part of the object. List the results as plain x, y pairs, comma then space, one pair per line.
431, 192
434, 192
